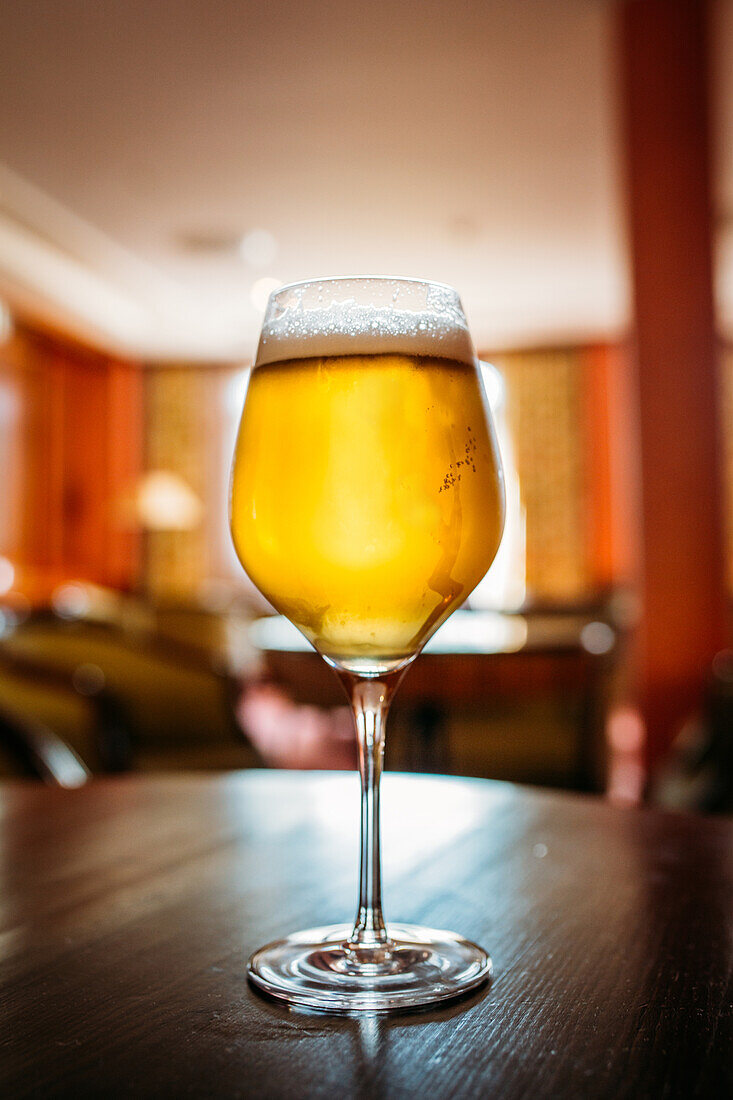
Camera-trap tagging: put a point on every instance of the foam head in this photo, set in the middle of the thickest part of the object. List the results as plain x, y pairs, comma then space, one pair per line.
364, 315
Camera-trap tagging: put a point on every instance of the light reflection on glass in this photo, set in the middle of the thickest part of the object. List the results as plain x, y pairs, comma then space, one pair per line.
504, 588
464, 632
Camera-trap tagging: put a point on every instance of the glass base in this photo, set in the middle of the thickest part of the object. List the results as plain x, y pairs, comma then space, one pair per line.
318, 970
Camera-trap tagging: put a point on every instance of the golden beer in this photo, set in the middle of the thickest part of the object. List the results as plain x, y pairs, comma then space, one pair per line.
366, 503
367, 499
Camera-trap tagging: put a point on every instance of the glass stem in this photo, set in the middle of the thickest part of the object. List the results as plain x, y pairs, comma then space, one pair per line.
370, 699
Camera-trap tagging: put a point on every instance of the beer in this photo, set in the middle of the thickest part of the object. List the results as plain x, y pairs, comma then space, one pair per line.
367, 499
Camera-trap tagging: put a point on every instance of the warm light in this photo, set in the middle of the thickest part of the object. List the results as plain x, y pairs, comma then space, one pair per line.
6, 323
7, 575
258, 248
625, 730
626, 737
597, 638
71, 601
164, 502
261, 291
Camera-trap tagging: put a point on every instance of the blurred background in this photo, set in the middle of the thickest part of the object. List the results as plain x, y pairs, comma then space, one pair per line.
568, 166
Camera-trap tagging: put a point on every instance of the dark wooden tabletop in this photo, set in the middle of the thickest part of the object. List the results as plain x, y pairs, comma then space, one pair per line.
128, 908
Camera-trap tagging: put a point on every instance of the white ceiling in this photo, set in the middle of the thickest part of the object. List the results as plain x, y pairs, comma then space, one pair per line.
472, 142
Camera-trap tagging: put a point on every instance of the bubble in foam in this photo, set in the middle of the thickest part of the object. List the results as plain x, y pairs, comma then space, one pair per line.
347, 317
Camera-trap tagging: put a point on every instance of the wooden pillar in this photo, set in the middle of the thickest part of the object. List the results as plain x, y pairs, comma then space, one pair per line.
663, 47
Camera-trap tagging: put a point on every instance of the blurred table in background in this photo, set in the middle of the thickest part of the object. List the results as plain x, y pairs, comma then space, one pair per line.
129, 908
124, 684
521, 697
129, 685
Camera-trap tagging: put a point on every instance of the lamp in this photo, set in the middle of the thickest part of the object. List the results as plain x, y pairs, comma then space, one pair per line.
163, 501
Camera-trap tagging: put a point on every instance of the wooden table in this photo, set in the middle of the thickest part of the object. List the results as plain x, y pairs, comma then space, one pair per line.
129, 906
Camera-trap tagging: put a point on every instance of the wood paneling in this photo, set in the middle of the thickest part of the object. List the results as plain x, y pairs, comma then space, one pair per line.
191, 426
179, 439
611, 467
545, 416
77, 454
570, 412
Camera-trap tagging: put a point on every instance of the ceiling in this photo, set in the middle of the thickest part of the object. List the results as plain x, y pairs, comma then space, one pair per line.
469, 142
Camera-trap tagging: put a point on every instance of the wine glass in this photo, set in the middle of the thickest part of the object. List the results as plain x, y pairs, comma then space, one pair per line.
367, 501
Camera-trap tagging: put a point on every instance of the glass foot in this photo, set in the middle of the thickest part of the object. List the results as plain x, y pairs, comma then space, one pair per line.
317, 969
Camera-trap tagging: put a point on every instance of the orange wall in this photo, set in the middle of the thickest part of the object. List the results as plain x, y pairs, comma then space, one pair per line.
612, 470
77, 454
571, 413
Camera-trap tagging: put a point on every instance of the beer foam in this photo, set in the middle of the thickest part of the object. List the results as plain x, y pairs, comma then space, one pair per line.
312, 320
